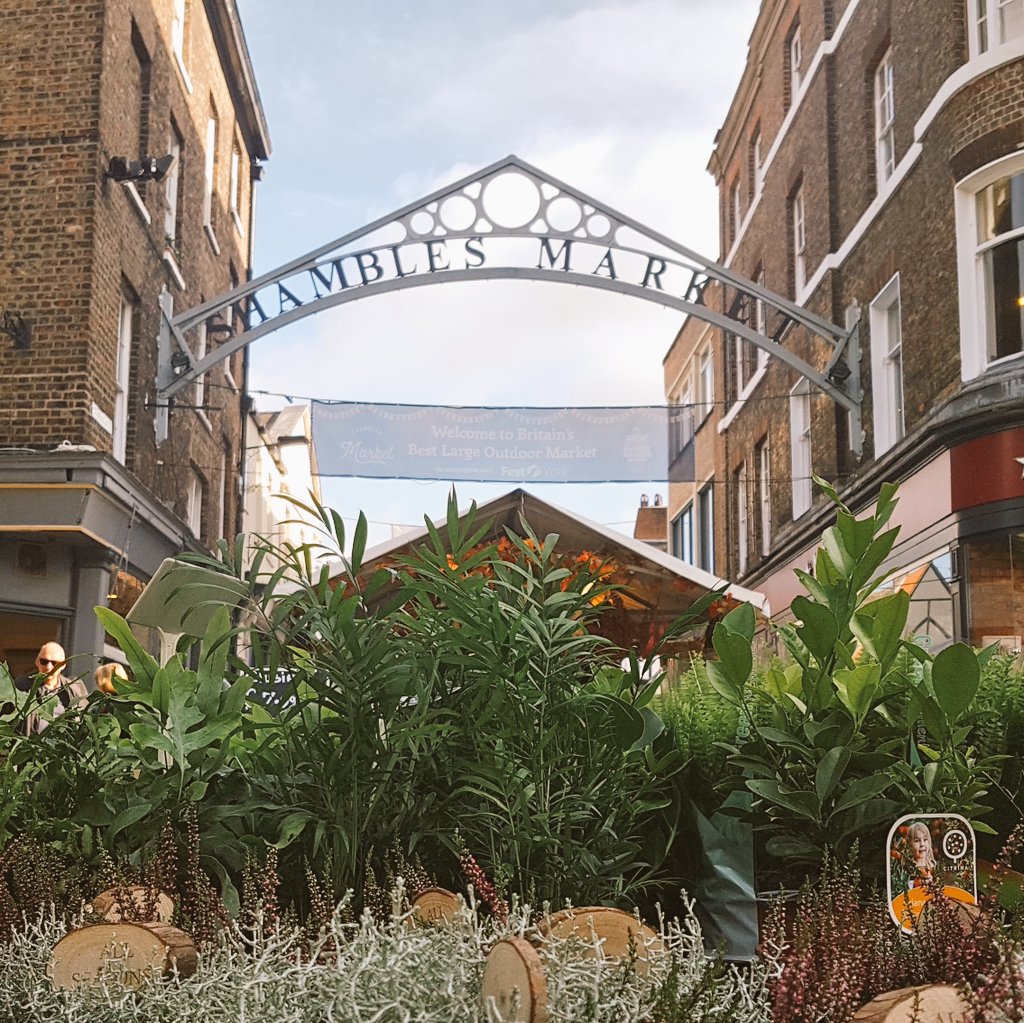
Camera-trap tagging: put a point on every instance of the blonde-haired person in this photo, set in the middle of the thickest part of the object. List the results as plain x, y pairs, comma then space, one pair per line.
919, 845
107, 675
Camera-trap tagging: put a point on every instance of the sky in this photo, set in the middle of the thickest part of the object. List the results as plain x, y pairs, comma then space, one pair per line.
374, 104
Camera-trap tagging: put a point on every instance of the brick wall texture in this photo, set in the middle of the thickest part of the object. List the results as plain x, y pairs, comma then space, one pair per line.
825, 145
80, 82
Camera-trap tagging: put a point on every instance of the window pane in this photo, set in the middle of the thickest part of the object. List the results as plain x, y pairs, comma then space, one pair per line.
1001, 207
1005, 273
1011, 19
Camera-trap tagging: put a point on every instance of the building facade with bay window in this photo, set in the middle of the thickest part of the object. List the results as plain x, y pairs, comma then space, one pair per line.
92, 249
871, 168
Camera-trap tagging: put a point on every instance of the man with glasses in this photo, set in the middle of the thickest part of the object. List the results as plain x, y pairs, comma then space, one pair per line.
56, 693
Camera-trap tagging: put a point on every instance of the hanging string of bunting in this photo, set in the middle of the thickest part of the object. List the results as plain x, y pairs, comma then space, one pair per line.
622, 444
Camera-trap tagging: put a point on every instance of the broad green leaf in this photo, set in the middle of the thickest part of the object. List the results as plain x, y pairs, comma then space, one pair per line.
722, 685
879, 626
734, 654
653, 727
819, 630
834, 545
213, 662
886, 503
741, 621
857, 534
955, 679
877, 552
358, 544
291, 827
861, 790
830, 491
778, 682
197, 791
143, 665
857, 688
128, 817
830, 772
803, 804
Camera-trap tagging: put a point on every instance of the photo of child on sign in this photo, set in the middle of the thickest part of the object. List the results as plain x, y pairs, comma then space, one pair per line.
929, 854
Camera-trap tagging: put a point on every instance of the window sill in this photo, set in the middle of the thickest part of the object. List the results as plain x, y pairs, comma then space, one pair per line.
101, 418
237, 221
172, 265
229, 378
214, 244
140, 207
183, 71
205, 420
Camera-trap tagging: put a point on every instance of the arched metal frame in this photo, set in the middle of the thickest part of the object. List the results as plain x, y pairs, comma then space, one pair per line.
578, 238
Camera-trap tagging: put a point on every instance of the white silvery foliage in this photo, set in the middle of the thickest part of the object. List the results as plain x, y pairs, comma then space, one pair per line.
396, 972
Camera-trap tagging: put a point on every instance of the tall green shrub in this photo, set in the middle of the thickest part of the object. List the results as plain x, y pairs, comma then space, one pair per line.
864, 725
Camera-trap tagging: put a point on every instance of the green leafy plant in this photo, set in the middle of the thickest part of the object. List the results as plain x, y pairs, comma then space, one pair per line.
460, 695
861, 725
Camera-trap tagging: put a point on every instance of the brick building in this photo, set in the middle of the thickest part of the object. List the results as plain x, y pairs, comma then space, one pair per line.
871, 167
89, 505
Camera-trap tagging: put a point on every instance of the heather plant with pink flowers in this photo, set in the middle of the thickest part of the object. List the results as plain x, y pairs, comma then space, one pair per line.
840, 950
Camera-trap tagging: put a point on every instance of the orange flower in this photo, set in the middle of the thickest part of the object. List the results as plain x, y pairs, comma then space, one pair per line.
452, 563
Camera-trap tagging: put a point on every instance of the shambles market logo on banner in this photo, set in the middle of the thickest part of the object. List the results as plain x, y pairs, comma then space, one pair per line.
514, 445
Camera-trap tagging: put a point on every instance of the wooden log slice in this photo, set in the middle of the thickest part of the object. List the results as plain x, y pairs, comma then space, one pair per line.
513, 989
145, 904
614, 928
125, 954
434, 905
929, 1003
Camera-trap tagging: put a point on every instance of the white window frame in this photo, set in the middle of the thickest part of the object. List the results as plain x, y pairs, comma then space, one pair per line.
200, 354
764, 484
704, 544
172, 185
972, 259
756, 160
736, 207
222, 493
210, 171
796, 58
760, 319
742, 520
987, 20
706, 380
687, 422
800, 446
235, 187
122, 372
799, 215
194, 505
683, 525
885, 119
179, 31
888, 411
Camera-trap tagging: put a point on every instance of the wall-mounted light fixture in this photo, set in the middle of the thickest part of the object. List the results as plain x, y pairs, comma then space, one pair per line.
17, 328
149, 168
180, 363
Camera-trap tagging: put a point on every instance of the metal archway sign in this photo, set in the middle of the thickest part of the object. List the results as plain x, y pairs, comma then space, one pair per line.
509, 221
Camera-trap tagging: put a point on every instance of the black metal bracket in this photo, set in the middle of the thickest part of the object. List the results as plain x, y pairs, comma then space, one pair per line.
18, 329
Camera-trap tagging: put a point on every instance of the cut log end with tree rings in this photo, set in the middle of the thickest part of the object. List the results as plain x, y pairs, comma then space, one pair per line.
135, 903
930, 1003
122, 954
620, 934
435, 905
513, 989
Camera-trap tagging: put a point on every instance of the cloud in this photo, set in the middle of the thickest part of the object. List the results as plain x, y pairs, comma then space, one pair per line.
373, 105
